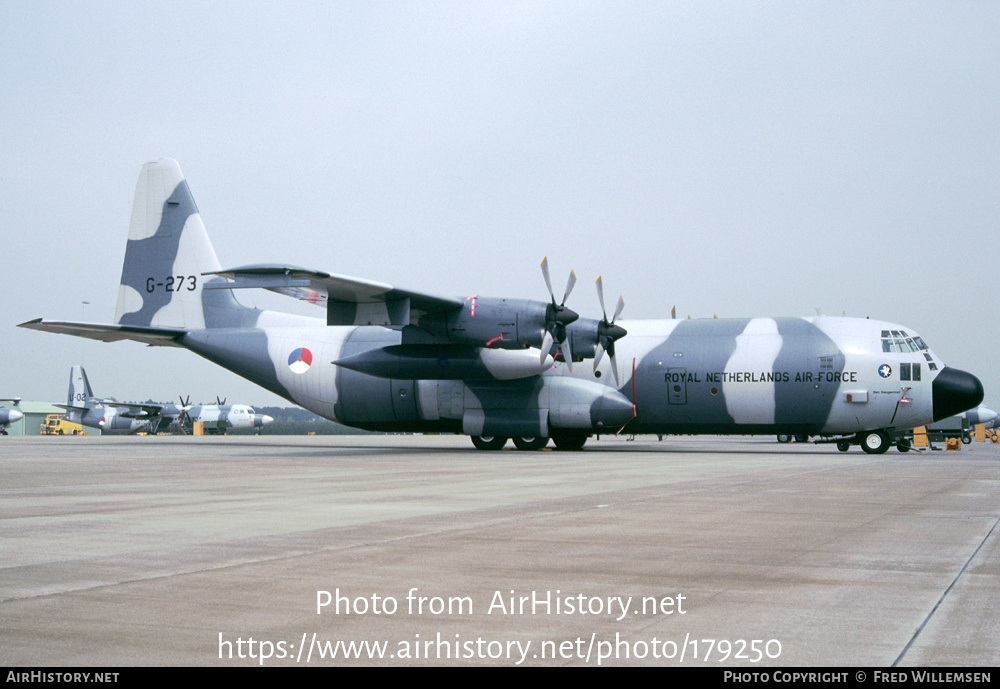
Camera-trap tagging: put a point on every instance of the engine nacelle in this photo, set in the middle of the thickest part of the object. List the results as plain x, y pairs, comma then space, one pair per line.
490, 322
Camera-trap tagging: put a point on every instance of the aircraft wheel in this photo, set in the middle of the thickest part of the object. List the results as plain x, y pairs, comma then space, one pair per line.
802, 438
843, 445
966, 439
903, 445
569, 440
782, 438
488, 442
875, 443
529, 444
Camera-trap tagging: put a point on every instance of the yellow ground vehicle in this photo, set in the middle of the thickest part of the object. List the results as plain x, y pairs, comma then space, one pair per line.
56, 424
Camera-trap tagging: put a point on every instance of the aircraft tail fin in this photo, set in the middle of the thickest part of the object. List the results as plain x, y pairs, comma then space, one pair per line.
79, 393
166, 259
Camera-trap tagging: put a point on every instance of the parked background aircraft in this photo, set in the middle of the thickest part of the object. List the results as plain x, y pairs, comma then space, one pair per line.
107, 414
981, 415
221, 417
110, 415
9, 416
385, 358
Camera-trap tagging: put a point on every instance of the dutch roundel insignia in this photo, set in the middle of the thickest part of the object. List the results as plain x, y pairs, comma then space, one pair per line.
885, 370
300, 360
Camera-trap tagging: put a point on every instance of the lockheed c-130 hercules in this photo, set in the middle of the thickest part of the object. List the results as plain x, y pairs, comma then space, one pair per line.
390, 359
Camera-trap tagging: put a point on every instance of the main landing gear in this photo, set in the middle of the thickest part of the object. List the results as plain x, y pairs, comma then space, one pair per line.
488, 442
563, 439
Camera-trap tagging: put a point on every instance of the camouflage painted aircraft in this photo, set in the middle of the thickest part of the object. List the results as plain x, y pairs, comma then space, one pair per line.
390, 359
9, 416
84, 408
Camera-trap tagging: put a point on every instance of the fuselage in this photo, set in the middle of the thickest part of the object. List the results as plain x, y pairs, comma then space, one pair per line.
111, 418
227, 416
816, 376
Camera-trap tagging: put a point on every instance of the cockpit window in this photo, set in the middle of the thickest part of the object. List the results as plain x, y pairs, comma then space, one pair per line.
898, 341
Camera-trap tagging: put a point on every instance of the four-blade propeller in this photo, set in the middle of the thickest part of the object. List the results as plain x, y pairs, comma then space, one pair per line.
608, 332
557, 317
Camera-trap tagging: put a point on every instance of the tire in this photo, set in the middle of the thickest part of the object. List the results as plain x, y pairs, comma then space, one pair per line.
488, 442
783, 438
843, 445
530, 444
903, 445
569, 441
802, 438
875, 442
966, 439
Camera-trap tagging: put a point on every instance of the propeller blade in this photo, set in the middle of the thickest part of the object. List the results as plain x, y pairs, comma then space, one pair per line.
548, 281
614, 370
618, 309
600, 296
598, 354
546, 346
567, 355
569, 286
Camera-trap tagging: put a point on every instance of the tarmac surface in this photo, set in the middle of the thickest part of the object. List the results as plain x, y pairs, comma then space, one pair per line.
134, 551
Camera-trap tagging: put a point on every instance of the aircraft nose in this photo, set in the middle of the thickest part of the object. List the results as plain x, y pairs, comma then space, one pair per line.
264, 419
954, 391
980, 415
14, 415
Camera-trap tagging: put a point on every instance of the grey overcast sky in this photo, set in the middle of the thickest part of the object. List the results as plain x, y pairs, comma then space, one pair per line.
730, 158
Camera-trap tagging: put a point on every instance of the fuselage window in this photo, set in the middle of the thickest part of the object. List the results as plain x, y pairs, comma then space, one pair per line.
904, 371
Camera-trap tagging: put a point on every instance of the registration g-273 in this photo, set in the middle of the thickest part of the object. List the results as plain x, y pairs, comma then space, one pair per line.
173, 283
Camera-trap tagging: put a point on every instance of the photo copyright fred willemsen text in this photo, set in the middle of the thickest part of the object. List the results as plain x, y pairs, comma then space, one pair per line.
438, 646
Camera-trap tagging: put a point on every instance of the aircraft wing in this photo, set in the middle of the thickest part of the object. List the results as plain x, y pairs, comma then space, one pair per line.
70, 407
349, 300
139, 411
164, 337
132, 410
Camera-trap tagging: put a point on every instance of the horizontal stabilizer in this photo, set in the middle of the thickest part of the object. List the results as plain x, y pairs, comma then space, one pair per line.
152, 336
